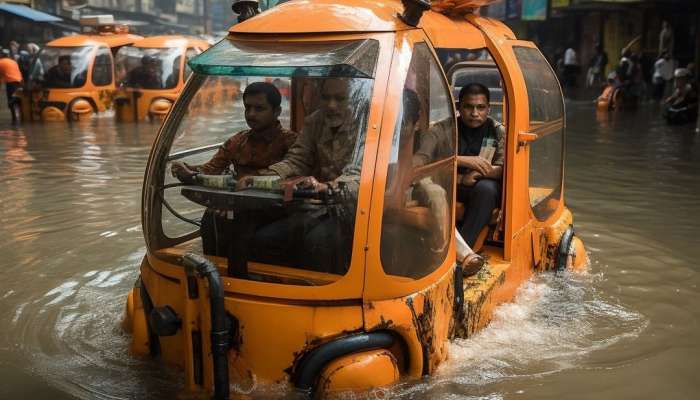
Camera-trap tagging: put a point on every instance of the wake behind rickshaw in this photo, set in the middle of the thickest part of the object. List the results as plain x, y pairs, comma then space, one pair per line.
151, 74
73, 76
394, 295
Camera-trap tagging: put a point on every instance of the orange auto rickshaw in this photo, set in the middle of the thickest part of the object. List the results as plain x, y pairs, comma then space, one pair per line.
394, 295
73, 77
151, 74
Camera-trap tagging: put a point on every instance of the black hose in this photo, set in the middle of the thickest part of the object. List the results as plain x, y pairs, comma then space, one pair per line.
219, 332
564, 248
312, 364
160, 193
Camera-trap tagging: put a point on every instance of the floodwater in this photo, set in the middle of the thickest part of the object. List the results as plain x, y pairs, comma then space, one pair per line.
629, 328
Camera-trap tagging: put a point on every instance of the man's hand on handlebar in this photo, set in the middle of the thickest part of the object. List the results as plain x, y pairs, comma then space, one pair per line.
311, 183
180, 171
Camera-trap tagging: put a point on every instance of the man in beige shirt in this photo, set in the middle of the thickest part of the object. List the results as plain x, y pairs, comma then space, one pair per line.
327, 155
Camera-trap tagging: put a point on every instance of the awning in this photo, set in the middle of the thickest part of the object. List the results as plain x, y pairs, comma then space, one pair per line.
28, 13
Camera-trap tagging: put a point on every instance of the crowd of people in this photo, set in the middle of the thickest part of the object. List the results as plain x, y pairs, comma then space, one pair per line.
630, 79
15, 64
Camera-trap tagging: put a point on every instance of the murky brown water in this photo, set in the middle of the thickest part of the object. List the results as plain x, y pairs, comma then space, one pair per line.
71, 243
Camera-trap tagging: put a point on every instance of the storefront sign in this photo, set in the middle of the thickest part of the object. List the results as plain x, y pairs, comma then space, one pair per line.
534, 10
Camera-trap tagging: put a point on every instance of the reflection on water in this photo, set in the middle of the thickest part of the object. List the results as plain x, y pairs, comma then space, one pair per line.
71, 245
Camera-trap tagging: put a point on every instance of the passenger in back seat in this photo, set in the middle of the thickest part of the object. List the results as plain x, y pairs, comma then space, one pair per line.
481, 151
430, 146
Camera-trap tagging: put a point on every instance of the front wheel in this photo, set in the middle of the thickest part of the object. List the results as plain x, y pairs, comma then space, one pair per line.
571, 252
80, 110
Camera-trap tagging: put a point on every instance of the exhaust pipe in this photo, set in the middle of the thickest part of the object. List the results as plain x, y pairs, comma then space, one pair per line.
219, 332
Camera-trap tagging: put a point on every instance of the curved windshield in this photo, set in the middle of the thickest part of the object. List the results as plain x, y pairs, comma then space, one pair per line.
61, 67
149, 68
263, 171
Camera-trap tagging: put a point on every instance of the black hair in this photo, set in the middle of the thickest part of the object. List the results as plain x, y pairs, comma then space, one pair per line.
65, 57
411, 106
474, 89
272, 94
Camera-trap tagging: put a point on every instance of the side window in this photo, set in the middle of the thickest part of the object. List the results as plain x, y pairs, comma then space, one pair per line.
191, 52
546, 109
417, 217
102, 68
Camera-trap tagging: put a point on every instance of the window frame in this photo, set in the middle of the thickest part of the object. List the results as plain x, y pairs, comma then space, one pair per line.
505, 95
166, 257
379, 285
544, 129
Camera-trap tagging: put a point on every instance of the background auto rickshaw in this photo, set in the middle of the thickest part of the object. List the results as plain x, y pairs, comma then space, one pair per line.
73, 77
151, 74
394, 295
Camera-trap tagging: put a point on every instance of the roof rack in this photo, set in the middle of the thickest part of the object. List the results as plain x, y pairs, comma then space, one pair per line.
101, 25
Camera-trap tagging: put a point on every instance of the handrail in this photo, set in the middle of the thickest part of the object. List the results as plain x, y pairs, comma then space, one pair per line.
189, 152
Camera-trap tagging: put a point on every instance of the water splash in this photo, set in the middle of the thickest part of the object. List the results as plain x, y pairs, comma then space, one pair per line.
552, 325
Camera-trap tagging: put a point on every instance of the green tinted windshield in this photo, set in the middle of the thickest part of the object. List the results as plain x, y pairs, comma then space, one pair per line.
351, 59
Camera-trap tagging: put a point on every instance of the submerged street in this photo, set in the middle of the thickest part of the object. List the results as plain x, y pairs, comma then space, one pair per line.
71, 245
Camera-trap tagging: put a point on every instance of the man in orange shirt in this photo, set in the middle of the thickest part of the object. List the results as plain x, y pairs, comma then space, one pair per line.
12, 77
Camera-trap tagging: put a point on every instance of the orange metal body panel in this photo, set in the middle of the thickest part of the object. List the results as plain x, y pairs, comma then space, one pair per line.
422, 319
271, 333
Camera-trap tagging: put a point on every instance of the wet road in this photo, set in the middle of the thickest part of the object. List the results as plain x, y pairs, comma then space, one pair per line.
71, 244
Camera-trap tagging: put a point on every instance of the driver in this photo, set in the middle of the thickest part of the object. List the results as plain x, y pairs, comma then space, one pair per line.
59, 76
265, 143
323, 154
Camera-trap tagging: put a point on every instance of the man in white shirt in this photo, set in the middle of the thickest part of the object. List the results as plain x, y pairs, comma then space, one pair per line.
571, 67
663, 74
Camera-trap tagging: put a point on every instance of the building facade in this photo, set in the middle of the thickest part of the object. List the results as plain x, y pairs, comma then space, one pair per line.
557, 24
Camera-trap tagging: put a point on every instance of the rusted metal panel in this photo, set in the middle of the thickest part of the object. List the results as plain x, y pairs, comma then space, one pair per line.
423, 320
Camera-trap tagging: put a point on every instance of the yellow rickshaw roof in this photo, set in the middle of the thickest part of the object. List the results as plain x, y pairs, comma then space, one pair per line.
110, 40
